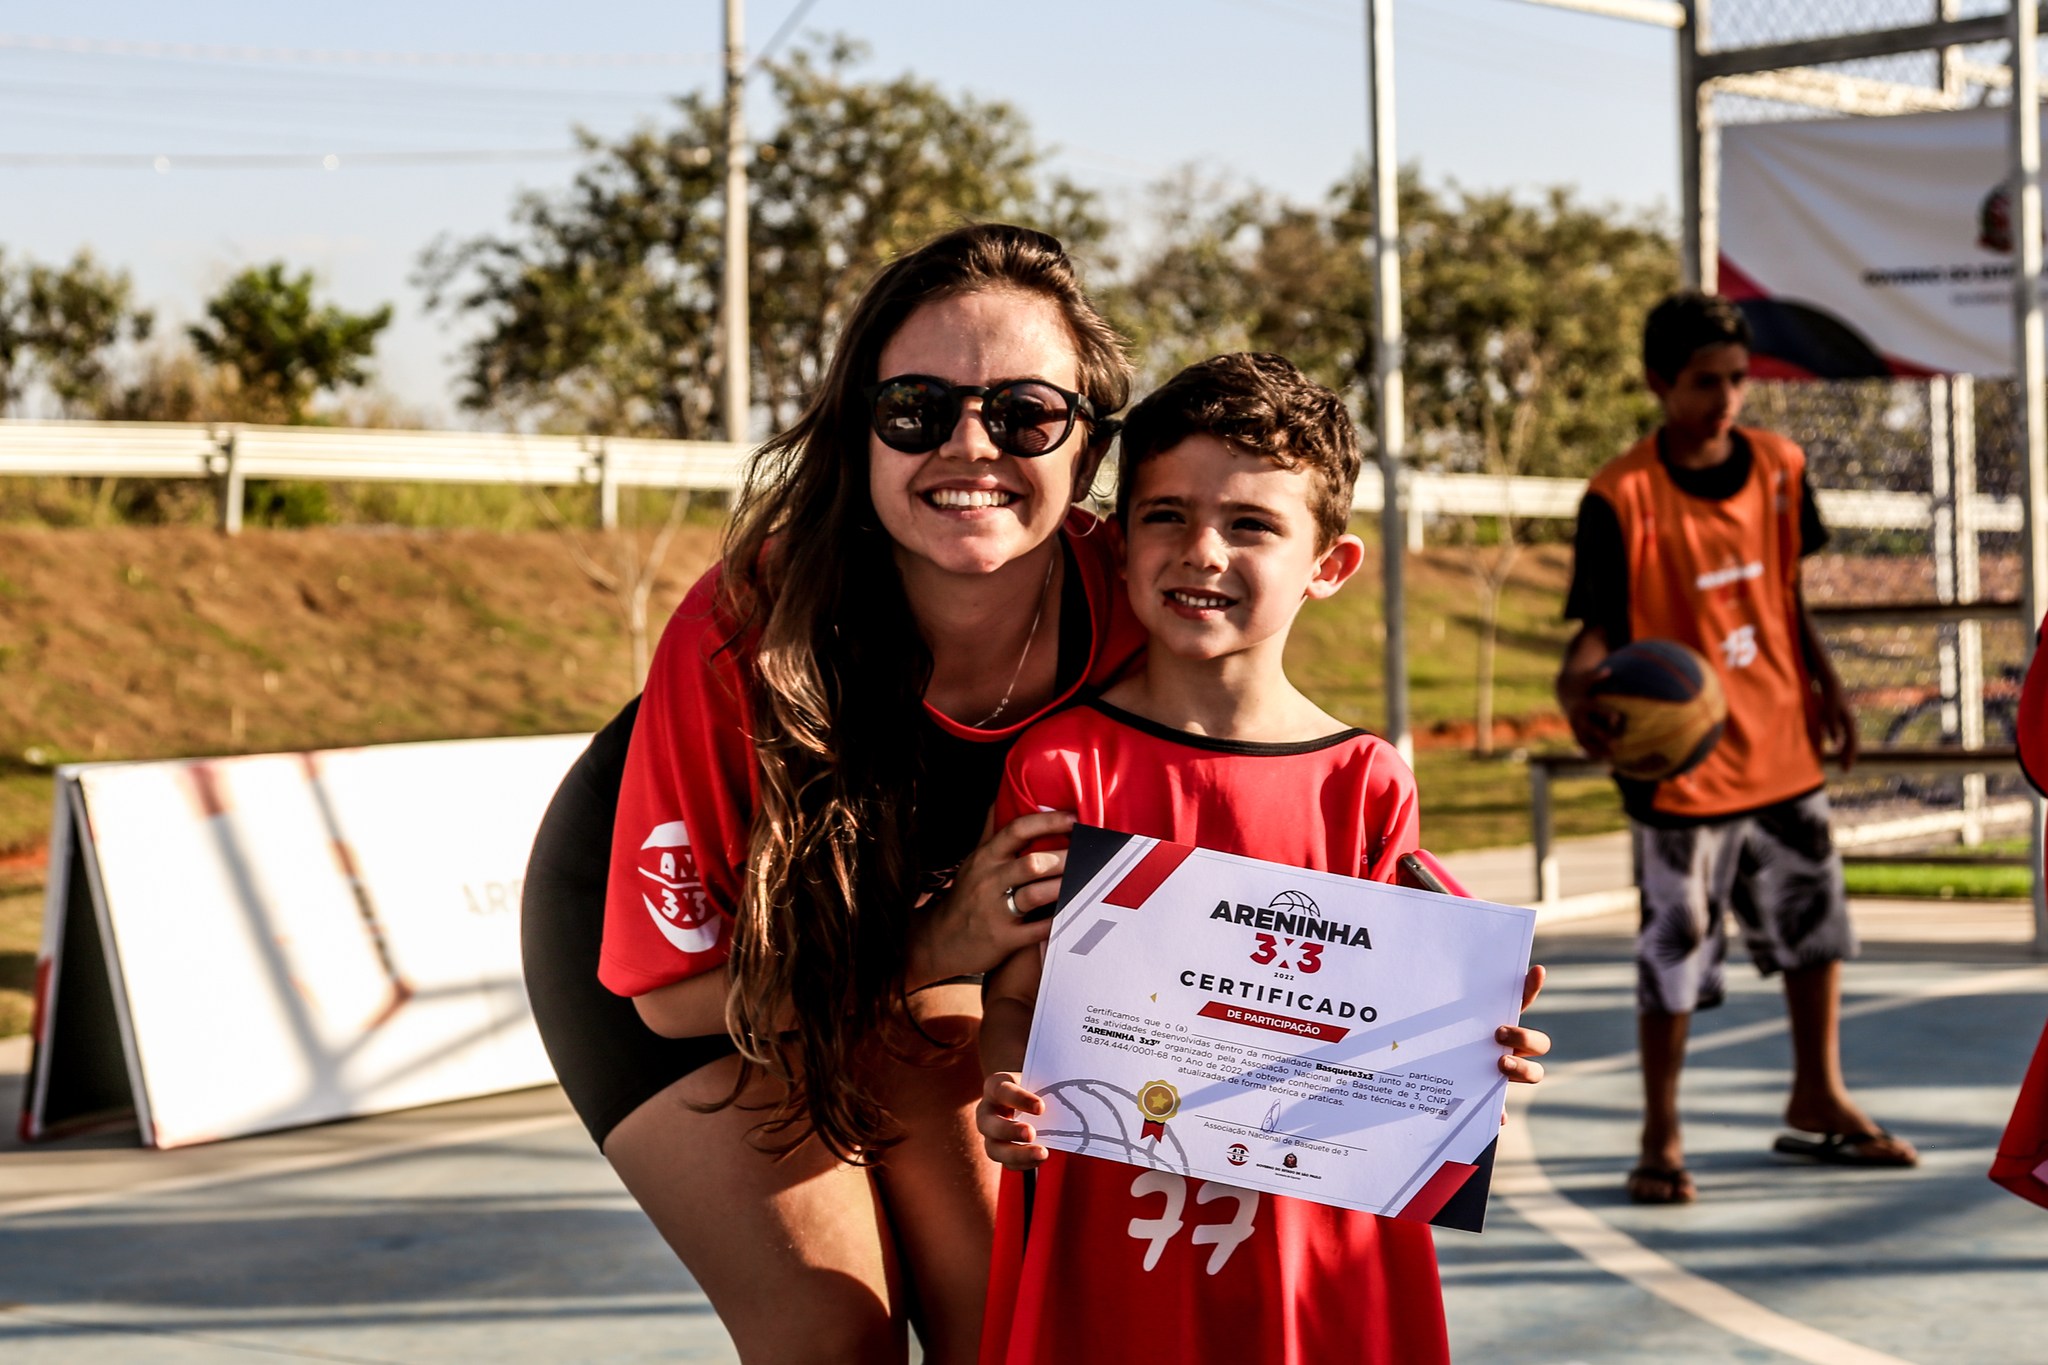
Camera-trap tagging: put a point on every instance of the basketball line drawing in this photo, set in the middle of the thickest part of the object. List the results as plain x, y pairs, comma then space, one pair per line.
1142, 1153
1123, 1130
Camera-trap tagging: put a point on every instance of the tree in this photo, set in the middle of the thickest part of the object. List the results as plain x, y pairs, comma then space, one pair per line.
1523, 356
599, 310
60, 327
74, 318
13, 344
277, 349
1193, 292
1253, 272
1521, 321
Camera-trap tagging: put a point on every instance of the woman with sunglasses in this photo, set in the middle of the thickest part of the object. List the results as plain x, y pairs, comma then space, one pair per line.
800, 891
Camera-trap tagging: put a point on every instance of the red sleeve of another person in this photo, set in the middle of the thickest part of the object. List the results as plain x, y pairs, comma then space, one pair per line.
2022, 1164
685, 808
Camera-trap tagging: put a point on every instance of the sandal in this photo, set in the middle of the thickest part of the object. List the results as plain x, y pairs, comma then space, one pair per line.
1848, 1149
1661, 1185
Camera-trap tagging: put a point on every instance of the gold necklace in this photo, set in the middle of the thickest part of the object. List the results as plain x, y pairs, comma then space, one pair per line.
1029, 640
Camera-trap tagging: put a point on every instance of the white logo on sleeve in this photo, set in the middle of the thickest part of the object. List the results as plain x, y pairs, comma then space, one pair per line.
676, 901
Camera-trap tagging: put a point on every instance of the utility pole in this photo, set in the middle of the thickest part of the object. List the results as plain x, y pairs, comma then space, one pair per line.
738, 402
1389, 341
1699, 249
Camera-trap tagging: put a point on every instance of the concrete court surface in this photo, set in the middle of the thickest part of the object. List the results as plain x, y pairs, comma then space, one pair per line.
490, 1230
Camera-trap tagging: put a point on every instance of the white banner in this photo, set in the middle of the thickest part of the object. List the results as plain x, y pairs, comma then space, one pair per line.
1871, 246
289, 938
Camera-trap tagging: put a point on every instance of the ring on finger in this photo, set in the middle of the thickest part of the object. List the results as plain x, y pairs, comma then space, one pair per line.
1010, 902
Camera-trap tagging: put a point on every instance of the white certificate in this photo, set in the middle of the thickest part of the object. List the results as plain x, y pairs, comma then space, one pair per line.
1297, 1032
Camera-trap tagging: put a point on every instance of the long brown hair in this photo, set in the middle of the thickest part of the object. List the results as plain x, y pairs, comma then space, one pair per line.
839, 672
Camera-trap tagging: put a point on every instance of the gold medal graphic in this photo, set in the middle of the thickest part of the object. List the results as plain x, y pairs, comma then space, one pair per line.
1158, 1101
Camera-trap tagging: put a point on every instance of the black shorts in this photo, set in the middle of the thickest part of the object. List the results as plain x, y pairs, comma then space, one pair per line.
1777, 868
609, 1062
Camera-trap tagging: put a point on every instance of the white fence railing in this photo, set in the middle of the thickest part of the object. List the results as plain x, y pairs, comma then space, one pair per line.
229, 455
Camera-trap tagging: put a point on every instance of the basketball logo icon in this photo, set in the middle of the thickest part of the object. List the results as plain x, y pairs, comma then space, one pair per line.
1237, 1155
1295, 903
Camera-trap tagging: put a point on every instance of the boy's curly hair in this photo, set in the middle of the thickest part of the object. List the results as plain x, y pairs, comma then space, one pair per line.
1257, 403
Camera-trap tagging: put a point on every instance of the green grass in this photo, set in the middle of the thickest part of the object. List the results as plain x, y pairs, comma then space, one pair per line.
21, 918
1939, 881
1471, 802
25, 796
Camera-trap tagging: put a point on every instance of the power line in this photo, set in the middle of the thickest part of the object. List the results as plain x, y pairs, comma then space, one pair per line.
787, 27
213, 52
164, 164
1300, 14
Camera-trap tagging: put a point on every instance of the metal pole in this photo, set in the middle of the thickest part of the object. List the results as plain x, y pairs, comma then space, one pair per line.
1695, 192
1388, 343
607, 491
2028, 356
1549, 878
733, 309
231, 486
1952, 82
1962, 448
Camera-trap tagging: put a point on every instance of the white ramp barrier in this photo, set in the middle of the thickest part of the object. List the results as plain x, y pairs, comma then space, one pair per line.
242, 944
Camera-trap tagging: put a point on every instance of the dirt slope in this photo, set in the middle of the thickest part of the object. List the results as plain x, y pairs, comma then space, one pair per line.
160, 642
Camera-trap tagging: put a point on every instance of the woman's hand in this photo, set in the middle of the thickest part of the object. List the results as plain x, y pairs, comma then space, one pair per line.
1008, 1141
976, 923
1524, 1043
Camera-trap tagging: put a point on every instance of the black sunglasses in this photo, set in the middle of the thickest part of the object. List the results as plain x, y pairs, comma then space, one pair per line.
916, 414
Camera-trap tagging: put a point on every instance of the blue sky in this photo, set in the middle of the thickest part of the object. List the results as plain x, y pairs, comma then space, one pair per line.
1492, 93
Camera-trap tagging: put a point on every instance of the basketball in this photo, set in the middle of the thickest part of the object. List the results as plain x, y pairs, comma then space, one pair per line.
1664, 707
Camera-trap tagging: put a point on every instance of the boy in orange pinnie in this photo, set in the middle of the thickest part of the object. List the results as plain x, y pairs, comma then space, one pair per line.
1695, 535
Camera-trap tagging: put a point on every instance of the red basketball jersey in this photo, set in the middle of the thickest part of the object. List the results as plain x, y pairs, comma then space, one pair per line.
686, 804
2022, 1163
1118, 1262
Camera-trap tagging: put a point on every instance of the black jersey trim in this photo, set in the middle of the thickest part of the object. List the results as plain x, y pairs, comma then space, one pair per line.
1716, 482
1248, 748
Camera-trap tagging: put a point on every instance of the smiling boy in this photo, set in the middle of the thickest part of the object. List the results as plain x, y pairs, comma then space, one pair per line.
1234, 492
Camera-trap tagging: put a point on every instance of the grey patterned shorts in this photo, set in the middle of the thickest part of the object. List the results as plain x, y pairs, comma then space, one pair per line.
1776, 868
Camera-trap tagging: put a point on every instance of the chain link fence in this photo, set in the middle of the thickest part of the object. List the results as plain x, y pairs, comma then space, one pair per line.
1936, 685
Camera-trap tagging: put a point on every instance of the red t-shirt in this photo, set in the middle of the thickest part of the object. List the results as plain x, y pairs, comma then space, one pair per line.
1116, 1262
686, 805
2022, 1163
